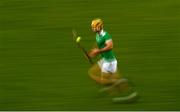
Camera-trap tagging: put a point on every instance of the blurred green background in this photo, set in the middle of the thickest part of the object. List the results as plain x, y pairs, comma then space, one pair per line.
42, 69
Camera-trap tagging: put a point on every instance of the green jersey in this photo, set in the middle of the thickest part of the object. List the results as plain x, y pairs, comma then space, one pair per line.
101, 39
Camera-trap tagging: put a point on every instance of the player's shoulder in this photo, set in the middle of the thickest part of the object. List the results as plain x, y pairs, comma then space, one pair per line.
107, 35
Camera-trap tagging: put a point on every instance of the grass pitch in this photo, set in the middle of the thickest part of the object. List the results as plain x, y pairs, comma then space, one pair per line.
41, 68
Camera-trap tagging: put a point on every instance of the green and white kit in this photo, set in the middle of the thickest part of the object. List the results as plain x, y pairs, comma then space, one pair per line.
108, 62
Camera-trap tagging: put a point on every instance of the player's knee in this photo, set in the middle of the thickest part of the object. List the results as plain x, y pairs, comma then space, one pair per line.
94, 69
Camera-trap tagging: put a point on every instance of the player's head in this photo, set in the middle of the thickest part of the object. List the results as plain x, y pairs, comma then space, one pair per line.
97, 25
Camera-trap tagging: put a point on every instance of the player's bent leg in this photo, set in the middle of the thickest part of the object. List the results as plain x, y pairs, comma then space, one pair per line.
109, 78
95, 73
115, 83
101, 78
118, 86
95, 70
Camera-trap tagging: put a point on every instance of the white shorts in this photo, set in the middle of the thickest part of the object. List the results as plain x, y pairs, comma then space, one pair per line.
108, 66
